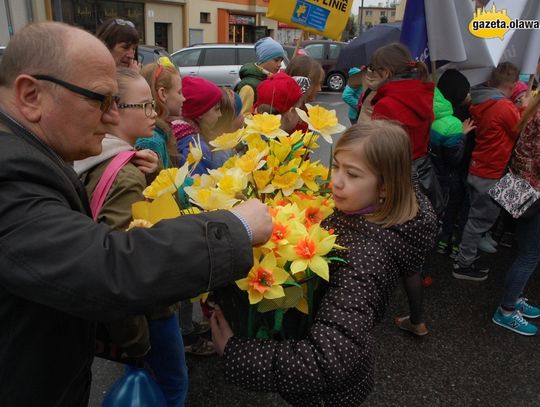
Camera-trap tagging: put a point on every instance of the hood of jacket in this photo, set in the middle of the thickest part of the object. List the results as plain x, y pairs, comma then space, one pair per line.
441, 106
111, 145
407, 244
445, 122
253, 70
412, 94
482, 93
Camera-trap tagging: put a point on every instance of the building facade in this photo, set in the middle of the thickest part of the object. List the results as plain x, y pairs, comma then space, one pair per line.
173, 24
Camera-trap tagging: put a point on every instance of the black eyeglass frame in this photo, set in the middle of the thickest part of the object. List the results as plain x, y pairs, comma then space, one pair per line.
106, 101
139, 106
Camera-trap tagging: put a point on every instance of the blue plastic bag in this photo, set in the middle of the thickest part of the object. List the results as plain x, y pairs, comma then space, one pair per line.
135, 389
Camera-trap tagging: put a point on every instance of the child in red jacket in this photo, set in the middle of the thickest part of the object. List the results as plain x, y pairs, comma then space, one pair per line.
496, 118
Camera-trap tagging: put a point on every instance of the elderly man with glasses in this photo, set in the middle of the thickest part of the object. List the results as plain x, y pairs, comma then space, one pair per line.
59, 270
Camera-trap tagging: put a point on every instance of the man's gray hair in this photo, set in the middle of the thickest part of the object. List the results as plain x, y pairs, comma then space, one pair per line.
38, 48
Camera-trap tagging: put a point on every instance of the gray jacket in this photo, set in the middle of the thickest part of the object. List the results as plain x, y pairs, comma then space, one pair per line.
60, 271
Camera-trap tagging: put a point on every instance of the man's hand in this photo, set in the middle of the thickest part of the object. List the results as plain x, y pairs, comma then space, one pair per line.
147, 161
258, 218
221, 330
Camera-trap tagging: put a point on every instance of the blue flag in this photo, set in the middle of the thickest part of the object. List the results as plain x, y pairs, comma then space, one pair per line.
414, 31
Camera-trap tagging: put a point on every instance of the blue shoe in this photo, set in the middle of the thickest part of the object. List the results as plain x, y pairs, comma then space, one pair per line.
485, 246
528, 311
514, 322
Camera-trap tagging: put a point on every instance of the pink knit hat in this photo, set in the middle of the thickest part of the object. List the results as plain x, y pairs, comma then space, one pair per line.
201, 96
519, 89
279, 91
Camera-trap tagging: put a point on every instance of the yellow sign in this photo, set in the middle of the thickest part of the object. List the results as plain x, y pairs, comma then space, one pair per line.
490, 24
323, 17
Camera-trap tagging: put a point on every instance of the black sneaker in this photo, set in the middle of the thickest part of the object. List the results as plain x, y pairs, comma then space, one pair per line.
472, 273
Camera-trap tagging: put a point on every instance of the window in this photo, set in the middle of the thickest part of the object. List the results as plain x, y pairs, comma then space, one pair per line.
219, 56
383, 13
392, 13
246, 55
187, 58
334, 51
205, 18
315, 51
369, 13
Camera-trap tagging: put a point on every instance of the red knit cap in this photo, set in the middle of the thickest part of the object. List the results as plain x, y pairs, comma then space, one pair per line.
279, 91
201, 96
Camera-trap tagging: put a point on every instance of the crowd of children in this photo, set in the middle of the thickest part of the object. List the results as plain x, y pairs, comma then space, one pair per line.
418, 160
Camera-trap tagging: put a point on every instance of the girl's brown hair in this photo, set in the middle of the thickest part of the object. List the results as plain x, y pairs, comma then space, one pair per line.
124, 76
228, 113
397, 59
304, 65
386, 149
116, 30
160, 76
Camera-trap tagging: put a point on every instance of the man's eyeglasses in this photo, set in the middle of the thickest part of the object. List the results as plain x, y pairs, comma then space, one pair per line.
106, 101
121, 21
148, 107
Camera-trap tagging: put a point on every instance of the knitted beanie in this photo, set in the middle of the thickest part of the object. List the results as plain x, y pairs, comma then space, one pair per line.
201, 96
279, 91
267, 48
519, 90
454, 86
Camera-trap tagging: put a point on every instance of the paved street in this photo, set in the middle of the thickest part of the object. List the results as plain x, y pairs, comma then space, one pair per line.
465, 360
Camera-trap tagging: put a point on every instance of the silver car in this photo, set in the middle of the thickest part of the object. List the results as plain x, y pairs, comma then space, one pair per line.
219, 63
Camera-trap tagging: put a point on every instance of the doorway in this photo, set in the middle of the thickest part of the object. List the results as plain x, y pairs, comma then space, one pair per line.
161, 35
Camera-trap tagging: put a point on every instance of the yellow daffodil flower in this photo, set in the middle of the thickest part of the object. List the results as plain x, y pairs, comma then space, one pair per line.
266, 124
233, 181
288, 179
308, 252
264, 280
195, 152
321, 120
252, 160
210, 199
164, 183
262, 179
255, 141
228, 141
279, 150
310, 172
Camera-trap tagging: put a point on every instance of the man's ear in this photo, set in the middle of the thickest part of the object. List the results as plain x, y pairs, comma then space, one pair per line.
29, 97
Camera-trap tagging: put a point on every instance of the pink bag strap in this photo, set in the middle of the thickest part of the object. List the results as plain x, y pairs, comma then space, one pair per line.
106, 180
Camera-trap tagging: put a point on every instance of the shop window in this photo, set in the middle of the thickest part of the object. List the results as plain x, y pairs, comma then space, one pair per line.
205, 18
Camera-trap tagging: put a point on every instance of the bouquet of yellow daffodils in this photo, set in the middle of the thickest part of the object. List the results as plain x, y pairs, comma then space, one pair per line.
274, 167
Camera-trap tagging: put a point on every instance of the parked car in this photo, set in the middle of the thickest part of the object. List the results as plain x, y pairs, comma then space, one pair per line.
150, 53
327, 52
289, 49
219, 63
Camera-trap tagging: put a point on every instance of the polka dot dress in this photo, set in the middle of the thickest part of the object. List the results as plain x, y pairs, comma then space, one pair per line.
333, 366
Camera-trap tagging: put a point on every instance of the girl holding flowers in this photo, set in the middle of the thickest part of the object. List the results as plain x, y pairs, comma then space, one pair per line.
388, 227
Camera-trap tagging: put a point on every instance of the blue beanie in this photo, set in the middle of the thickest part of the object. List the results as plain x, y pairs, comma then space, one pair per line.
267, 48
